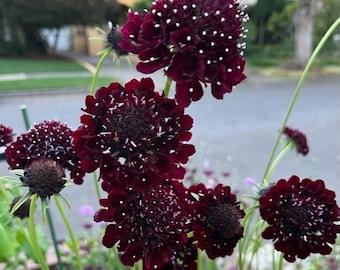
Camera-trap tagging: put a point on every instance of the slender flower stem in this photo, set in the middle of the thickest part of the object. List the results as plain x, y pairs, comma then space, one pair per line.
199, 259
33, 234
297, 92
54, 238
279, 157
74, 247
24, 113
4, 193
105, 54
281, 262
167, 87
47, 210
96, 184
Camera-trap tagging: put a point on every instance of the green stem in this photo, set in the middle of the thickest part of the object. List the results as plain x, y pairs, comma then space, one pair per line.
279, 157
74, 247
24, 113
4, 193
167, 87
99, 66
49, 217
33, 234
281, 262
199, 259
54, 238
297, 92
96, 184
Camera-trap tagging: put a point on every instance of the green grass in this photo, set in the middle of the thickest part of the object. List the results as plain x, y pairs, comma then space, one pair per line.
50, 83
27, 65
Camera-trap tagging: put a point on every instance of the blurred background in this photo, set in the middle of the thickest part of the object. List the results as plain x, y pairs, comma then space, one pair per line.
280, 32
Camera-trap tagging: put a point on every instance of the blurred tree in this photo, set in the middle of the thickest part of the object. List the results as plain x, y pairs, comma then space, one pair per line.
326, 14
22, 20
280, 24
142, 4
260, 14
304, 19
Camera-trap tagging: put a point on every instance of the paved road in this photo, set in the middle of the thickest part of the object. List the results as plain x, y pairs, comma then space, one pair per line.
232, 135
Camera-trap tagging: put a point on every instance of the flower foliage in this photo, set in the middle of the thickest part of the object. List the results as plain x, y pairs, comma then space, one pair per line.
195, 42
302, 215
134, 135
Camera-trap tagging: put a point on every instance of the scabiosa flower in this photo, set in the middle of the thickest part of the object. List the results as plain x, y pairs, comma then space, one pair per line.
302, 216
6, 135
216, 220
51, 140
298, 138
194, 41
147, 225
44, 177
134, 135
114, 36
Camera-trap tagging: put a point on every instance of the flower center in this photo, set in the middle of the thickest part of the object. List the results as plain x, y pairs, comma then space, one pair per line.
224, 220
44, 177
133, 132
300, 216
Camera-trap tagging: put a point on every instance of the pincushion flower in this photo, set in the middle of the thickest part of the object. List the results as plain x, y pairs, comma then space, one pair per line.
44, 177
6, 135
216, 220
147, 225
134, 135
195, 42
50, 140
298, 138
114, 36
302, 215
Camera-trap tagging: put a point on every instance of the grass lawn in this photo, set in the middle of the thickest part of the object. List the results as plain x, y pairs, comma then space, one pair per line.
50, 83
28, 65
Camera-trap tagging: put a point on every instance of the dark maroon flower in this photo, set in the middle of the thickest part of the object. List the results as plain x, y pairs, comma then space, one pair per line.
113, 38
216, 220
51, 140
298, 138
147, 225
302, 217
44, 177
194, 41
6, 135
134, 135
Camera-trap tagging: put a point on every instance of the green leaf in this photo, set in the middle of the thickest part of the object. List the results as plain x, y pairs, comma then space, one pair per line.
7, 247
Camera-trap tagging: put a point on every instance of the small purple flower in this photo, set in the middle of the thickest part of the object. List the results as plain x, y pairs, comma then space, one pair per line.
86, 210
250, 181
